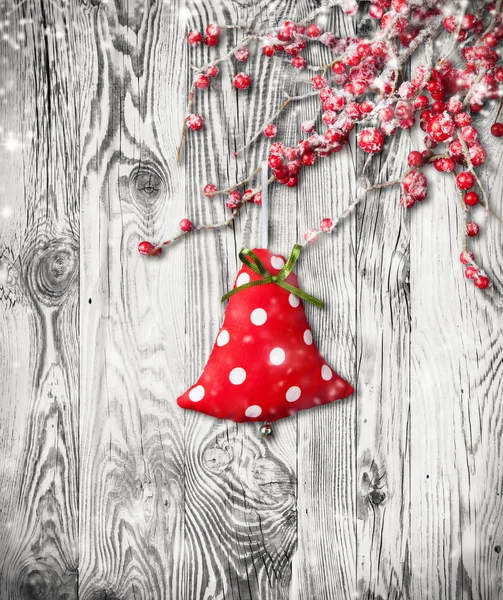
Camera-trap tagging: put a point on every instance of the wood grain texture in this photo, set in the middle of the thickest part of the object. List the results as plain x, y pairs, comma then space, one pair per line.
108, 489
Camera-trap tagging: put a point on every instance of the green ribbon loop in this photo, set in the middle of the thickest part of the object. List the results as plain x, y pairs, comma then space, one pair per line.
253, 262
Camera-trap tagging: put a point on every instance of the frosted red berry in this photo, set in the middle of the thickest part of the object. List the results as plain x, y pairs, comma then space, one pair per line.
242, 81
407, 201
242, 54
326, 225
415, 159
234, 199
482, 282
211, 40
472, 229
309, 158
471, 272
270, 130
212, 71
202, 81
209, 190
441, 127
465, 180
466, 257
313, 31
194, 38
213, 30
195, 121
299, 62
371, 140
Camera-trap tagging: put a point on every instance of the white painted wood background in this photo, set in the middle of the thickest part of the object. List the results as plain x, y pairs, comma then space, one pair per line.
107, 489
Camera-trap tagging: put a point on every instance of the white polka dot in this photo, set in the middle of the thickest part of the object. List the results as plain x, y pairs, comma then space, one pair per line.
277, 262
242, 279
293, 300
196, 394
237, 376
326, 372
253, 411
277, 356
223, 338
293, 393
308, 337
258, 316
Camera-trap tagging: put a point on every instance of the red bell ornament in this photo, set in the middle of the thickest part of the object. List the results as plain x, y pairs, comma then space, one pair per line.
264, 365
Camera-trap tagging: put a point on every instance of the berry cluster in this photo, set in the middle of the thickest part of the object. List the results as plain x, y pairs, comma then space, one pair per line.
362, 85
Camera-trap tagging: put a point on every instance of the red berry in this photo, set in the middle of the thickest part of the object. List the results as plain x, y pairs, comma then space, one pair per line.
497, 129
407, 201
313, 31
202, 81
242, 81
445, 165
415, 185
212, 71
466, 257
454, 105
465, 180
242, 54
194, 38
471, 199
421, 102
299, 62
326, 225
194, 121
438, 107
234, 199
469, 133
269, 50
462, 119
319, 82
213, 30
441, 127
371, 140
185, 225
270, 130
209, 190
471, 272
147, 248
210, 40
415, 159
339, 68
482, 282
275, 161
292, 182
309, 158
472, 229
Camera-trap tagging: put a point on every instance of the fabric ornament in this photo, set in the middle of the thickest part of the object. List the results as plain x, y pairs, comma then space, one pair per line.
264, 364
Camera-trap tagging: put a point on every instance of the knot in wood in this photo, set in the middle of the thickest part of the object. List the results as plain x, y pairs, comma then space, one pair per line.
53, 270
146, 184
216, 459
377, 497
35, 586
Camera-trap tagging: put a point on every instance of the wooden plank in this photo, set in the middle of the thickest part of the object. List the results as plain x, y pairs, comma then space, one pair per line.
39, 306
325, 562
240, 490
131, 437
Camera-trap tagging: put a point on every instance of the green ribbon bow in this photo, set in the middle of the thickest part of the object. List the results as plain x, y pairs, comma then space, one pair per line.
257, 266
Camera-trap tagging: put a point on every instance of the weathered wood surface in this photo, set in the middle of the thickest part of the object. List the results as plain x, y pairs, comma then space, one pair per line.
108, 490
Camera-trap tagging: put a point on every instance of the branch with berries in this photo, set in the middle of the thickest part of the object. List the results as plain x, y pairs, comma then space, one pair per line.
362, 84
